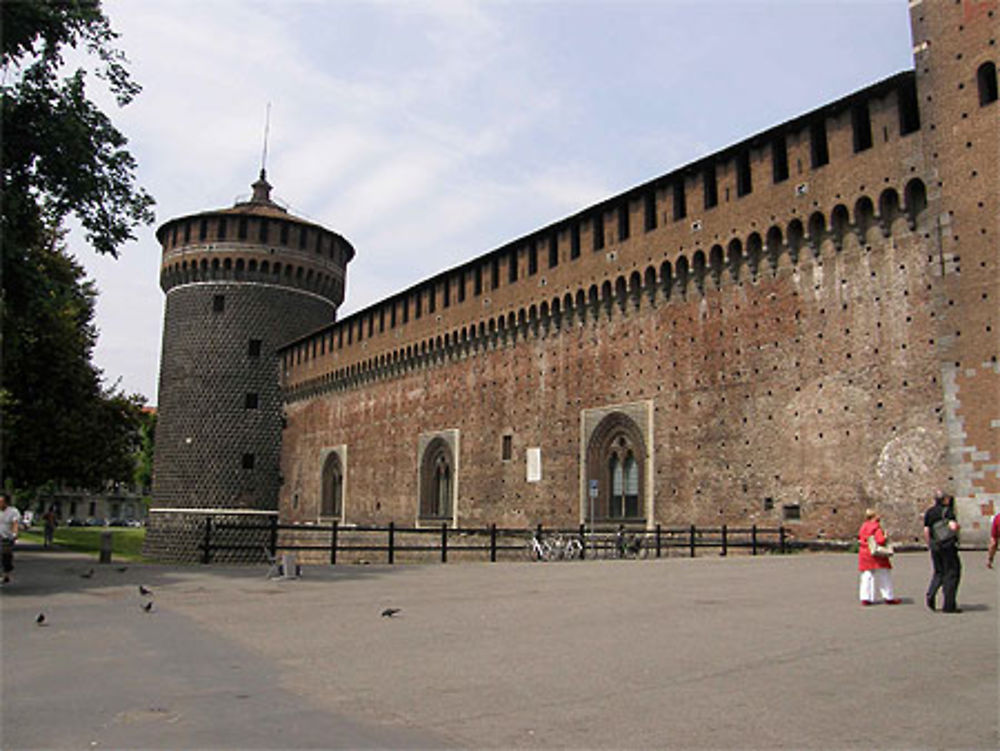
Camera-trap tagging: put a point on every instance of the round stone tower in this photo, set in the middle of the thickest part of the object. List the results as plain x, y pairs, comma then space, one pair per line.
239, 282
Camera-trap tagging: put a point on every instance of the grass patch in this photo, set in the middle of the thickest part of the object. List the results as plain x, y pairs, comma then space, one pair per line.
126, 542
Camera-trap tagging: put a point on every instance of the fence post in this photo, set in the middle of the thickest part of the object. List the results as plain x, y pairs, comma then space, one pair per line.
444, 542
274, 535
692, 540
583, 542
724, 541
781, 538
493, 543
333, 544
657, 539
206, 555
753, 539
392, 542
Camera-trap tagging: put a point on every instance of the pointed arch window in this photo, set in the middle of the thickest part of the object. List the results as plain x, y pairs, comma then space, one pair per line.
437, 481
615, 459
332, 501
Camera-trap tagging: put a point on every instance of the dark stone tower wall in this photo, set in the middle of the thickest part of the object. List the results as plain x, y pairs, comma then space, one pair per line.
219, 402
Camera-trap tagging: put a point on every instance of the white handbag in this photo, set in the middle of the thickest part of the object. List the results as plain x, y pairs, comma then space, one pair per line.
880, 551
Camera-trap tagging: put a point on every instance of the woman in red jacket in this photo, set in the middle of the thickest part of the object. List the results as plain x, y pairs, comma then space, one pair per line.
876, 570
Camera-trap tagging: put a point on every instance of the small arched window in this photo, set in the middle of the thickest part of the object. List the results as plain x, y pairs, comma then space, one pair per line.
332, 499
986, 78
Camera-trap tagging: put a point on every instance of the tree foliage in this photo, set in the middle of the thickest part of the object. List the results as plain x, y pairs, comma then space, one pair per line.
60, 424
60, 155
143, 477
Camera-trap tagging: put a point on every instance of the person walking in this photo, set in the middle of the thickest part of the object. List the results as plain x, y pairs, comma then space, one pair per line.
876, 570
10, 520
941, 534
49, 517
994, 541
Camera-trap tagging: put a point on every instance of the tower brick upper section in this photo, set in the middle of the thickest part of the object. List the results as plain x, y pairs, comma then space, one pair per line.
254, 241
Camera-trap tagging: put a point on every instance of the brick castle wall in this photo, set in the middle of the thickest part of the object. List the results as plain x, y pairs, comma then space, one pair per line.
807, 316
813, 384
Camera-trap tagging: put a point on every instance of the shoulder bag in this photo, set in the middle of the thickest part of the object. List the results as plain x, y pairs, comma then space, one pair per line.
942, 531
879, 551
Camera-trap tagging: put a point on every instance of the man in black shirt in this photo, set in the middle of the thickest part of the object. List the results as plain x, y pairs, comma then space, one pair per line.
941, 534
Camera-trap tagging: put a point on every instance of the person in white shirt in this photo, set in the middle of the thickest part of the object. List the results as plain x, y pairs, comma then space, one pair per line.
10, 520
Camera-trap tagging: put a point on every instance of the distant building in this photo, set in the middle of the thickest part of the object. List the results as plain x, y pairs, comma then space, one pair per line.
116, 503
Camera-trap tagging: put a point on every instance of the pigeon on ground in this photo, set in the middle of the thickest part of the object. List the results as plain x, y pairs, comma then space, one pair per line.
122, 569
144, 591
390, 612
40, 619
87, 574
148, 607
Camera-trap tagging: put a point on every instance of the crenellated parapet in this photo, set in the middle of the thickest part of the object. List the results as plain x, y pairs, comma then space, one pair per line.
750, 259
852, 166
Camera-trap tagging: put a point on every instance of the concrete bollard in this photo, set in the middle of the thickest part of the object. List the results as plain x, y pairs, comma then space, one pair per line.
289, 566
105, 547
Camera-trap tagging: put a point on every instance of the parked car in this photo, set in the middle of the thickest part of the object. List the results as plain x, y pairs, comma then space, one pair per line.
74, 522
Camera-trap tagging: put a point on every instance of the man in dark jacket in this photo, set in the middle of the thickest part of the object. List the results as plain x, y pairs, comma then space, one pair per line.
941, 534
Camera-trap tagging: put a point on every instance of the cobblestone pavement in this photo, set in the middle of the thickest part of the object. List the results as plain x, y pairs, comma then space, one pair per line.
767, 652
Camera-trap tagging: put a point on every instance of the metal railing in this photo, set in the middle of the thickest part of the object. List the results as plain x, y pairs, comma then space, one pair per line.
431, 543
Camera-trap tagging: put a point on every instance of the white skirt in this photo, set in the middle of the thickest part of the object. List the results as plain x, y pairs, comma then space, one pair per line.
876, 580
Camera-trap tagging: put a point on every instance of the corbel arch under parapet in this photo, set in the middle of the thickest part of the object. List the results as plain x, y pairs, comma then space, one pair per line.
915, 195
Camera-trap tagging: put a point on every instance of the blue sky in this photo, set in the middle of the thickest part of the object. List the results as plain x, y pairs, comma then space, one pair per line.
431, 132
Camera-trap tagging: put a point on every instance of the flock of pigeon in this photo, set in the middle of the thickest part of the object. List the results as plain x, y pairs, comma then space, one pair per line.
144, 591
147, 606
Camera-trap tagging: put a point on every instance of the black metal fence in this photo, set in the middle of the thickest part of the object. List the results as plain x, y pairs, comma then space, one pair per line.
249, 540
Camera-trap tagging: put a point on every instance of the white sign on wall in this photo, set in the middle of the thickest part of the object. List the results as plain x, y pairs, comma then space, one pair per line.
534, 464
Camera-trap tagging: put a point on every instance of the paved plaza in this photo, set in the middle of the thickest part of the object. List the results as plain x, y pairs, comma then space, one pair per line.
734, 652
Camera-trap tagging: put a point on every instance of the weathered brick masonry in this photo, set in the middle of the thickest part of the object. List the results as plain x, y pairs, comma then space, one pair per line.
790, 329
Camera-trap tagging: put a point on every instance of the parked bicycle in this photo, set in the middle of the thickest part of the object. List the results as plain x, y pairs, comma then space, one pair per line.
566, 548
632, 546
539, 549
556, 548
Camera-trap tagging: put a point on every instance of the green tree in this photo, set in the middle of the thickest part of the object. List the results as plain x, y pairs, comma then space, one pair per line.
144, 456
60, 424
60, 155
